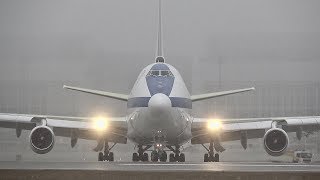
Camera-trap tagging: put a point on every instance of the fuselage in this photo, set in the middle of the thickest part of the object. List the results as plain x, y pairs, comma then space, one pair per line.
159, 107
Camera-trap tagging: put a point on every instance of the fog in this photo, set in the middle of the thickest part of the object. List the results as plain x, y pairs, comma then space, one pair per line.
273, 45
104, 45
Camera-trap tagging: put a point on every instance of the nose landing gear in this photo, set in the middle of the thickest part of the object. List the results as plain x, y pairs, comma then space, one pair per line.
160, 155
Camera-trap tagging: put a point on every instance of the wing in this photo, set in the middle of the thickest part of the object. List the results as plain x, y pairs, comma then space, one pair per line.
218, 94
117, 96
73, 127
235, 129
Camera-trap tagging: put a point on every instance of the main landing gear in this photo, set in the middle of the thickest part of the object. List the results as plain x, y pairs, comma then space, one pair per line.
161, 155
176, 156
141, 155
158, 154
106, 155
210, 156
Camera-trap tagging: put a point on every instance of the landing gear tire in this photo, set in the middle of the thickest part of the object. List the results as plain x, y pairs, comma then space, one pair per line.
100, 156
105, 157
111, 157
154, 156
182, 158
135, 157
163, 156
176, 156
211, 156
217, 157
206, 157
172, 158
141, 155
145, 157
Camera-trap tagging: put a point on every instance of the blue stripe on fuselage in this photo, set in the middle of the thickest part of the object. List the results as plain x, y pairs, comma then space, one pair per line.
175, 101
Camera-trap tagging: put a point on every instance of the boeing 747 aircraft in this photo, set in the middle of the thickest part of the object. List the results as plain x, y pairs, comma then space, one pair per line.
159, 119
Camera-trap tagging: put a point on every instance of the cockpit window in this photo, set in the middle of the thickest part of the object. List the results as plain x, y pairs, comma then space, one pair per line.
160, 73
165, 73
154, 73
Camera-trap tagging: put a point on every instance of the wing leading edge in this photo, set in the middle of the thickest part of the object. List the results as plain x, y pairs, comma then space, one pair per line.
64, 126
235, 129
117, 96
217, 94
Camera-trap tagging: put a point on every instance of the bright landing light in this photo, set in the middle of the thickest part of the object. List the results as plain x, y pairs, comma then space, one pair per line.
100, 123
214, 124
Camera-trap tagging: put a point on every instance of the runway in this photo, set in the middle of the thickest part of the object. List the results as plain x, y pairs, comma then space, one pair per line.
165, 167
125, 170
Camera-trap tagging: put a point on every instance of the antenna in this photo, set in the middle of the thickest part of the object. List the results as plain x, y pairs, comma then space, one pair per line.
159, 55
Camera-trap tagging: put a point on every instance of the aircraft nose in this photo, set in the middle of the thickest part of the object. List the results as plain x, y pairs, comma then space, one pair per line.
159, 101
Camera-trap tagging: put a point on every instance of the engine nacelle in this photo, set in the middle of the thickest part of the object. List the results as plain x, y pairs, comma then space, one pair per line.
275, 141
41, 139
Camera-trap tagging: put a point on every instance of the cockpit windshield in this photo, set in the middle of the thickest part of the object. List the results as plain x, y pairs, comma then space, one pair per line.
154, 73
160, 73
165, 73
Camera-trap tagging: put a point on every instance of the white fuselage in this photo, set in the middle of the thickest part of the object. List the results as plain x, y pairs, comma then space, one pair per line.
159, 107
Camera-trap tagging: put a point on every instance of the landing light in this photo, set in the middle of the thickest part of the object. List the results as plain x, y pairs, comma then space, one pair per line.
214, 124
159, 145
100, 123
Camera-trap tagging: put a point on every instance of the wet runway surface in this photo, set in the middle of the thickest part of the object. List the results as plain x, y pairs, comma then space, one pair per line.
142, 170
142, 166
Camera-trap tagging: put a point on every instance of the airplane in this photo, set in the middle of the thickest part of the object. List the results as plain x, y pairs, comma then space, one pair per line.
159, 118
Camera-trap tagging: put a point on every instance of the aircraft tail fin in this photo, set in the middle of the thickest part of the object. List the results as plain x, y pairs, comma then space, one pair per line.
159, 53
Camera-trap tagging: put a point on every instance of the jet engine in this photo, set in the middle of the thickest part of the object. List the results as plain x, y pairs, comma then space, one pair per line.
41, 139
275, 141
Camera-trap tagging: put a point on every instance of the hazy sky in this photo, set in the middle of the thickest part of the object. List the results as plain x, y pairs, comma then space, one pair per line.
104, 44
44, 34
